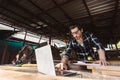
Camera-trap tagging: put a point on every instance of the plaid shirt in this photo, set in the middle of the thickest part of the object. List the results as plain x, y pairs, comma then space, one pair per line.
89, 41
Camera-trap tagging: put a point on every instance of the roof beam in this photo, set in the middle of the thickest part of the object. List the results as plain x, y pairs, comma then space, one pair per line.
68, 1
10, 22
34, 15
101, 14
88, 11
5, 8
29, 12
58, 6
23, 18
20, 23
42, 10
14, 19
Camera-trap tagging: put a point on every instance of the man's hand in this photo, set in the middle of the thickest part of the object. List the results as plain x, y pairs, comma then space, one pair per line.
102, 57
60, 67
102, 62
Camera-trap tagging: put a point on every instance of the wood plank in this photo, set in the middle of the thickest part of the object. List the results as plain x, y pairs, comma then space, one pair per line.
21, 69
31, 71
113, 68
117, 62
14, 75
29, 65
111, 73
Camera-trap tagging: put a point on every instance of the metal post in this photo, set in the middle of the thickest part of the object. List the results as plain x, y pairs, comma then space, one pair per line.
40, 39
24, 38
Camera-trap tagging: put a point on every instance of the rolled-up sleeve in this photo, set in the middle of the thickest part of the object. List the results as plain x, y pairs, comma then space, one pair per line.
96, 42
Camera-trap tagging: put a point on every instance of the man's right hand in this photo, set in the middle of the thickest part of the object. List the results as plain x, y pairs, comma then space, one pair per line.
60, 67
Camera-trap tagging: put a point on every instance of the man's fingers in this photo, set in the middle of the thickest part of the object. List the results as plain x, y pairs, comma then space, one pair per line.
102, 62
60, 68
57, 66
65, 67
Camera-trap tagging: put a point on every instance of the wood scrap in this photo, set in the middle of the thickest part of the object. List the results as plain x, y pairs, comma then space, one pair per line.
111, 73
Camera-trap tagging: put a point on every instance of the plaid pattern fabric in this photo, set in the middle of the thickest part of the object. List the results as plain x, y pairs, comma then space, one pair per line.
89, 41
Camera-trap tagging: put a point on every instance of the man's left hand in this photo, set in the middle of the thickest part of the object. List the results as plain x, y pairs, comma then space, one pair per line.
102, 62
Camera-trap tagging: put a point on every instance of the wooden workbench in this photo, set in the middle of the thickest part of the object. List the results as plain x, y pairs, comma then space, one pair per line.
8, 72
29, 72
14, 75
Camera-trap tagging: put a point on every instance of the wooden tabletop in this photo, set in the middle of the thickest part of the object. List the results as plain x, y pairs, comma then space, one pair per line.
106, 70
29, 72
12, 74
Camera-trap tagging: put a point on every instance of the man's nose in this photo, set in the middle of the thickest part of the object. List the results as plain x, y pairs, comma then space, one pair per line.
75, 35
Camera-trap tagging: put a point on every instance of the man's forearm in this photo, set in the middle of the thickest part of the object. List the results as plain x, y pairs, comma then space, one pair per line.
64, 60
101, 54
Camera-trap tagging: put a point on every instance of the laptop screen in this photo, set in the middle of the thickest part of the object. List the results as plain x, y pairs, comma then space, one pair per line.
44, 60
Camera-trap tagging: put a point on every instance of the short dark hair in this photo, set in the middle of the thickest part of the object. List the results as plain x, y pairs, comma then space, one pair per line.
72, 26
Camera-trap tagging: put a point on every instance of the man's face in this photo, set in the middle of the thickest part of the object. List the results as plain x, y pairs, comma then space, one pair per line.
76, 33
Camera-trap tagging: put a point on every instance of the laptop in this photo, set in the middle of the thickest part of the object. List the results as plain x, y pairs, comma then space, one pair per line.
44, 60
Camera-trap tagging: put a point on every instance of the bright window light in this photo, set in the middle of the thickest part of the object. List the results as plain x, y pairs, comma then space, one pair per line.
29, 37
4, 27
35, 38
59, 43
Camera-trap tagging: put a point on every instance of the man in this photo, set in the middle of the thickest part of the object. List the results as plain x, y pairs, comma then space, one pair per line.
82, 44
25, 55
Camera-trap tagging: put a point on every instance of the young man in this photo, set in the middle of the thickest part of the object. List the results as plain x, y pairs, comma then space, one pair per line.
25, 55
82, 43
